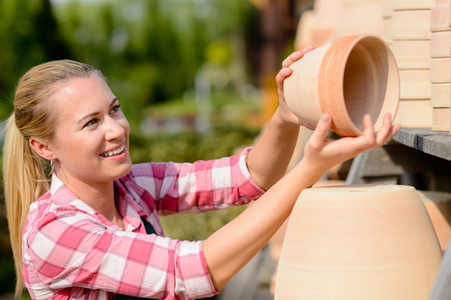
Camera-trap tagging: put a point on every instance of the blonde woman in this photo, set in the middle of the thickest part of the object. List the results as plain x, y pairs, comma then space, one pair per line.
94, 233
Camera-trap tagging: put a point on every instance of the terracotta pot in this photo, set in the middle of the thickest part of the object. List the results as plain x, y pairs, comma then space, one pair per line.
438, 205
358, 242
348, 78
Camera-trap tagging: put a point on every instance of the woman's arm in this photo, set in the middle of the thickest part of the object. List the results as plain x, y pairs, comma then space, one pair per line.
269, 159
232, 246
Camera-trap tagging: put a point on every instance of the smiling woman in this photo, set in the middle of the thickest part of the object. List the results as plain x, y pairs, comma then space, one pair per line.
94, 232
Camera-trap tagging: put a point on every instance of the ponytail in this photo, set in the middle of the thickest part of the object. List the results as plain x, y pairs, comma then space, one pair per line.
24, 181
24, 176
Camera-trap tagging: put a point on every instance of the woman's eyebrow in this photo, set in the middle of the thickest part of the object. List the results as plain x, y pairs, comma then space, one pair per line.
90, 115
115, 99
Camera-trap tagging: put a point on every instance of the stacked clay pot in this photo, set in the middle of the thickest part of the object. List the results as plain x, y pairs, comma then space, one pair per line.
360, 16
317, 26
358, 242
441, 66
438, 205
351, 77
410, 42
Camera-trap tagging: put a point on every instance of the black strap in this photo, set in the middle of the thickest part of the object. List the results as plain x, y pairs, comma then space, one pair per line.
149, 230
149, 227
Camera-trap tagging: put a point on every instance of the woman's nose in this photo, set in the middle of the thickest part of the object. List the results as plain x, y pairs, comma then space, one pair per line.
114, 130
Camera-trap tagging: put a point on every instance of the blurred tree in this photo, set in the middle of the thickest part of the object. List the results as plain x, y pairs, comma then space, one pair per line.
151, 50
29, 35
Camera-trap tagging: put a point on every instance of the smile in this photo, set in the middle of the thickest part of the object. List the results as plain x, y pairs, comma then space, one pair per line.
114, 152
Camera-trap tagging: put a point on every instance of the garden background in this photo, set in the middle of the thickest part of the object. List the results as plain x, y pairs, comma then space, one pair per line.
189, 75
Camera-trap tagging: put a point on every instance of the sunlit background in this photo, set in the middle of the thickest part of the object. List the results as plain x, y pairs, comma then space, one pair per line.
196, 78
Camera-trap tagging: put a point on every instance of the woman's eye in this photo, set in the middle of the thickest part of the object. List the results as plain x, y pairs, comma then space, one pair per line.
92, 122
115, 108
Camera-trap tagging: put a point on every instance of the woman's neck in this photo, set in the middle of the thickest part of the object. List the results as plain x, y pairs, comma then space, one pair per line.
99, 196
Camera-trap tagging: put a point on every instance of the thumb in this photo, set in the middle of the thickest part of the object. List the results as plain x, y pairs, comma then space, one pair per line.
321, 130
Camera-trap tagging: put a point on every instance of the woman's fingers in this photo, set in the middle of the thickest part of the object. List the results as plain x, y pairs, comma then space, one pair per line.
286, 70
283, 73
383, 134
321, 131
368, 131
296, 56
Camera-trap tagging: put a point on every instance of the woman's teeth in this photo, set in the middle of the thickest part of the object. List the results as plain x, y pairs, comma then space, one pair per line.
114, 152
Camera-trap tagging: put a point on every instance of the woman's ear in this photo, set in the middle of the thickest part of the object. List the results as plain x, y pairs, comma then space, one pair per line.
43, 149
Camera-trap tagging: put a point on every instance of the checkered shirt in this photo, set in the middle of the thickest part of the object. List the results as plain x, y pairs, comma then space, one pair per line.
72, 252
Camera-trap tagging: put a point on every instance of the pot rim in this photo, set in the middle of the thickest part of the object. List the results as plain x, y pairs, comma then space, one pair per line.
336, 59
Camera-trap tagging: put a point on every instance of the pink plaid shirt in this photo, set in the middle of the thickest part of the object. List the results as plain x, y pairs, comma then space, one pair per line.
72, 252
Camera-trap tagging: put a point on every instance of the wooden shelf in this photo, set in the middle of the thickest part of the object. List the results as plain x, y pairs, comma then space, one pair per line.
425, 140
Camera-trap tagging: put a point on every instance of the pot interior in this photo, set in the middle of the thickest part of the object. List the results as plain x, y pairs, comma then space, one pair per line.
370, 82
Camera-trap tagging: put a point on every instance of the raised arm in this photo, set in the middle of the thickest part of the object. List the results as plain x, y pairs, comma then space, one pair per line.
232, 246
268, 160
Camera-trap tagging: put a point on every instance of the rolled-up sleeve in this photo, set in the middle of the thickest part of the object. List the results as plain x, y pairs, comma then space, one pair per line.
199, 186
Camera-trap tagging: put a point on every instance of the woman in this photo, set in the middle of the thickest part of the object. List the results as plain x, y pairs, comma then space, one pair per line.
84, 236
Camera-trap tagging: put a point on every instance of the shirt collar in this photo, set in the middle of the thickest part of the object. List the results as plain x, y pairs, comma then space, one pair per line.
127, 207
56, 184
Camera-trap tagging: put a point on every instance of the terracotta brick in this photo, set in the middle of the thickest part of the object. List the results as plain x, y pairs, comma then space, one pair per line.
414, 54
361, 17
440, 44
387, 8
414, 113
440, 70
411, 24
415, 84
441, 119
412, 4
441, 95
386, 33
440, 18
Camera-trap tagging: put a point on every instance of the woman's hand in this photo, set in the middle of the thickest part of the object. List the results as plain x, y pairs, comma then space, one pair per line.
283, 110
232, 246
323, 153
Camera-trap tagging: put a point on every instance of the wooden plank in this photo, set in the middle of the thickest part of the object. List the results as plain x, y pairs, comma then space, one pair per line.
425, 140
395, 163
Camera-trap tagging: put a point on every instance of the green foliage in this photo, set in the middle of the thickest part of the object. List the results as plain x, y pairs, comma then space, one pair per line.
151, 52
196, 227
188, 147
29, 35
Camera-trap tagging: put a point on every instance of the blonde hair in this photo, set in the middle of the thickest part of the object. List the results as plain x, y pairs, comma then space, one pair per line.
24, 175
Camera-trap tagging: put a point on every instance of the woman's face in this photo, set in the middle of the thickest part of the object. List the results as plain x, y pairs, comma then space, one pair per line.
91, 137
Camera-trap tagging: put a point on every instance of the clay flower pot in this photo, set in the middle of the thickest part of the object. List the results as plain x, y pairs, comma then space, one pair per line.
438, 205
358, 242
351, 77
